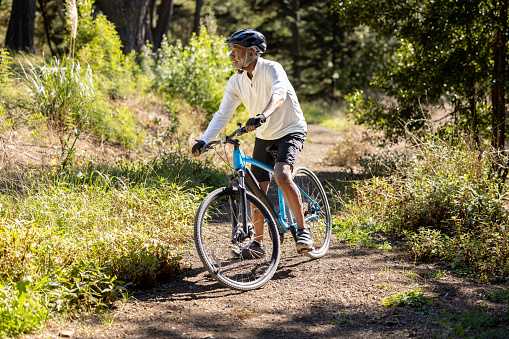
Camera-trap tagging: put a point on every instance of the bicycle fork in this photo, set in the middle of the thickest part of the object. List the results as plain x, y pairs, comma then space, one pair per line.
239, 234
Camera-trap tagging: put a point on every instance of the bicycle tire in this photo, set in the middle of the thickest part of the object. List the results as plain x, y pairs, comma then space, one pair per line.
213, 233
321, 226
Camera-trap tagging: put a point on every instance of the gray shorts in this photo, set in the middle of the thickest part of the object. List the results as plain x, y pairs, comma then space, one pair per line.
288, 148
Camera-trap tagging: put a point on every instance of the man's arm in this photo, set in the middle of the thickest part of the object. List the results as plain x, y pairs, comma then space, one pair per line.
275, 102
226, 110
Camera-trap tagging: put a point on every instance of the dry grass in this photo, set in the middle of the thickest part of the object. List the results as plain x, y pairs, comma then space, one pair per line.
354, 142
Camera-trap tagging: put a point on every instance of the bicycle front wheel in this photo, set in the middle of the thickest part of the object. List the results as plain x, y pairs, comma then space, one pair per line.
224, 249
316, 210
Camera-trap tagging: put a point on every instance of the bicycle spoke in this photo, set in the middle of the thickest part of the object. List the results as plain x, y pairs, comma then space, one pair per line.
233, 263
316, 210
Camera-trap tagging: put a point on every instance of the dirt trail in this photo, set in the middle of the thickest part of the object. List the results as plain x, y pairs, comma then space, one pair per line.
337, 296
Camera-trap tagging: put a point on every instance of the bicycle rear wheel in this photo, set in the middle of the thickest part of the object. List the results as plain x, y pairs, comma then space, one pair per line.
217, 234
316, 210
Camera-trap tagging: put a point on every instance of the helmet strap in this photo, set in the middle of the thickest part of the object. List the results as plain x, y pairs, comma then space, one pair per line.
246, 63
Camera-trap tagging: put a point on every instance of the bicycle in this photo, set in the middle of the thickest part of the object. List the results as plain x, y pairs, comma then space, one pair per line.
223, 221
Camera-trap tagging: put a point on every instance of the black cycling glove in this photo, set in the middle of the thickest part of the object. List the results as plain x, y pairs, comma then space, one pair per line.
256, 121
196, 150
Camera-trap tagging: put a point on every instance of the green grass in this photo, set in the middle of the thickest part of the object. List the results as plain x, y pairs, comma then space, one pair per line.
473, 324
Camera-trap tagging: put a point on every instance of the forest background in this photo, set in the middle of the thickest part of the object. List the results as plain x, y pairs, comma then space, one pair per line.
143, 77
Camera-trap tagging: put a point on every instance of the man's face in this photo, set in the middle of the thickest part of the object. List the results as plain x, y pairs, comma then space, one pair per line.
237, 55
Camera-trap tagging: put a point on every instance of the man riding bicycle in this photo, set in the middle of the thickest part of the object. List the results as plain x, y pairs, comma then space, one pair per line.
264, 89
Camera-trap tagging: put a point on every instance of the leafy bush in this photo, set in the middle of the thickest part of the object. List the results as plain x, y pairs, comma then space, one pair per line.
197, 72
447, 206
84, 223
415, 299
117, 125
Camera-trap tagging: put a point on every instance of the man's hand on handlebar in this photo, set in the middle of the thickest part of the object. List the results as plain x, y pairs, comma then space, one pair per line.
196, 150
255, 122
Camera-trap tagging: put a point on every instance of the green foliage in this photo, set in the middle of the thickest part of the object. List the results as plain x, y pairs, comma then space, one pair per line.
98, 45
501, 296
118, 125
66, 94
94, 223
5, 67
415, 299
391, 118
62, 91
446, 60
474, 324
20, 312
341, 318
447, 206
197, 72
84, 235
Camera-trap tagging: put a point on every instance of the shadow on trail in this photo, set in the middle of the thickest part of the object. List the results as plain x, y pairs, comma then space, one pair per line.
335, 320
203, 308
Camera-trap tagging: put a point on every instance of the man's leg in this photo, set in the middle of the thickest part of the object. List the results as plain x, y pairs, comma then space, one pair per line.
257, 216
283, 177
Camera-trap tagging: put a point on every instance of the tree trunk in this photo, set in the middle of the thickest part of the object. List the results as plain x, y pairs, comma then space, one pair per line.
47, 26
164, 15
339, 36
498, 92
129, 17
20, 33
197, 16
296, 40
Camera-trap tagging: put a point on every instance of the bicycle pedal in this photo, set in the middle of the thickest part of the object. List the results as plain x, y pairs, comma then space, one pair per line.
305, 250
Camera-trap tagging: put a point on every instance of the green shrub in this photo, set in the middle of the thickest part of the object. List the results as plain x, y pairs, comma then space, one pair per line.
446, 205
83, 235
197, 72
117, 125
72, 224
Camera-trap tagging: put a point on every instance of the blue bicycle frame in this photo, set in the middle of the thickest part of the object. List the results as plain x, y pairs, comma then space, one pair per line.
240, 162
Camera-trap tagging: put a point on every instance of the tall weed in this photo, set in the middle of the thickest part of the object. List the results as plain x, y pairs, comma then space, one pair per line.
62, 91
5, 67
66, 94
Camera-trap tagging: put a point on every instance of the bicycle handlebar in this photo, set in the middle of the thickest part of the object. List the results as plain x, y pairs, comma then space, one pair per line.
226, 139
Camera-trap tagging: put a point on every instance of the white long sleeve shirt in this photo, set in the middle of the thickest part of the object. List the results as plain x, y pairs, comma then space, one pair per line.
269, 78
